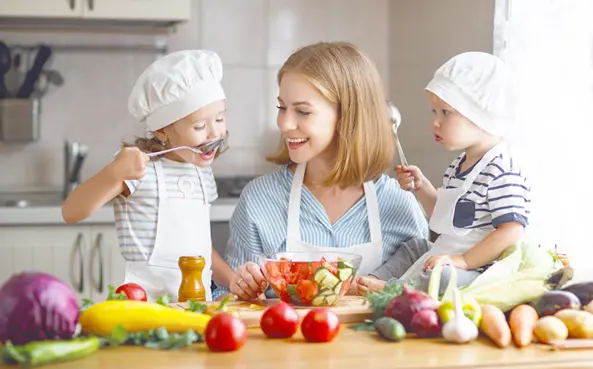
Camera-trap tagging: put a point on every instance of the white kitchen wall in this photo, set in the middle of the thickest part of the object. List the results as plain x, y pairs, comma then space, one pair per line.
423, 35
253, 38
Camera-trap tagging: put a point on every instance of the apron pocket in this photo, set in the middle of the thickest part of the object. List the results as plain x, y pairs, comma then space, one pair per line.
465, 212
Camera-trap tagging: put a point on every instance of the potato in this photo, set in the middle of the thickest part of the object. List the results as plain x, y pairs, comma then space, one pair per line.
550, 328
578, 322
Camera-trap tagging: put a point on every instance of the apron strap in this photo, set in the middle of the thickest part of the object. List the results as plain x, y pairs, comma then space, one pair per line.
373, 211
160, 179
294, 203
202, 184
480, 165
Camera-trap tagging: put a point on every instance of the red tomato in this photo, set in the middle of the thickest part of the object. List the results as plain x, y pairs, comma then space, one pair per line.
284, 266
307, 290
312, 268
272, 269
279, 321
320, 325
331, 266
133, 291
298, 271
225, 332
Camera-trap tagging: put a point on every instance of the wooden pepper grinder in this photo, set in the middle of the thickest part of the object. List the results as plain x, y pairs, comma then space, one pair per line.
191, 287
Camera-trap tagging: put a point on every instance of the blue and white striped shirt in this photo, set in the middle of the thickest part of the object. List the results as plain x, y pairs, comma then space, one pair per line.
500, 194
136, 215
258, 225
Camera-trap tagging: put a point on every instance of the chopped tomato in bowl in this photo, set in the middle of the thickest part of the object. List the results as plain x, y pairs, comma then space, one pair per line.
310, 278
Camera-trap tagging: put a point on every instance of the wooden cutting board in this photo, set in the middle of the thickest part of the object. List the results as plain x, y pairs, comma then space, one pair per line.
350, 309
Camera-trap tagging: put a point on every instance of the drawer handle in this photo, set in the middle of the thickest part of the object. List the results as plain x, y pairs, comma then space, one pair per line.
97, 250
77, 249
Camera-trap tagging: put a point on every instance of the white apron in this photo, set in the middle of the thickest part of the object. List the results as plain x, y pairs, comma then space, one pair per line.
183, 229
372, 252
452, 240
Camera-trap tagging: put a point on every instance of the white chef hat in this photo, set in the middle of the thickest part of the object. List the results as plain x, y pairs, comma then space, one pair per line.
175, 86
478, 86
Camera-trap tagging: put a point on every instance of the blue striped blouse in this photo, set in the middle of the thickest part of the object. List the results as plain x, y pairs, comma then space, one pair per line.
258, 225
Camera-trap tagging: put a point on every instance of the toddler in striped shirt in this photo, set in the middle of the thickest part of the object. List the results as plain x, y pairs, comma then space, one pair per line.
482, 206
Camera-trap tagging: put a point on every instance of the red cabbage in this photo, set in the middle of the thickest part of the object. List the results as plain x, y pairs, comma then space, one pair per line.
37, 306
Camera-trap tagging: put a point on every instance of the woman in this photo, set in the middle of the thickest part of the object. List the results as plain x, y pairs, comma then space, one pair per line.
330, 192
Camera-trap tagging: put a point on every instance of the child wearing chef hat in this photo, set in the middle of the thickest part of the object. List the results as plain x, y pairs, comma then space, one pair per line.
162, 202
482, 206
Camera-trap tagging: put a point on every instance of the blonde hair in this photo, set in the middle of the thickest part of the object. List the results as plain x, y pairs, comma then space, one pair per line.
347, 78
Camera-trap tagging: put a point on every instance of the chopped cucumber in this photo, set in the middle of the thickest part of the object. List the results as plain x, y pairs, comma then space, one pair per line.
318, 301
345, 273
344, 265
325, 292
331, 299
325, 279
337, 288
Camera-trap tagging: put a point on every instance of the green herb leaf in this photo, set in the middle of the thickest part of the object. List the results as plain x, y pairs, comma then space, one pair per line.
119, 336
196, 306
86, 303
115, 296
379, 300
164, 300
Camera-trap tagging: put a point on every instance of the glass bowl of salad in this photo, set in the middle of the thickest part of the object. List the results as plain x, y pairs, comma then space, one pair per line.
317, 278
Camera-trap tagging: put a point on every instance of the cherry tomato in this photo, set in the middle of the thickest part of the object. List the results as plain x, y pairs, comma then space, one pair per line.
279, 321
273, 270
284, 266
307, 290
320, 325
133, 291
225, 332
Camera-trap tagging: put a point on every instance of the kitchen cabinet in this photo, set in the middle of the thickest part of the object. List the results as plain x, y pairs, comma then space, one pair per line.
84, 256
121, 10
41, 9
137, 9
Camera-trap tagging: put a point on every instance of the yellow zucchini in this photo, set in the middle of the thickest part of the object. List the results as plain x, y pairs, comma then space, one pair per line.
138, 316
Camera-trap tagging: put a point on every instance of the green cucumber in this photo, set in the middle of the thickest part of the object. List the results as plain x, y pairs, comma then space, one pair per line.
319, 301
345, 270
344, 265
345, 273
324, 278
337, 288
331, 299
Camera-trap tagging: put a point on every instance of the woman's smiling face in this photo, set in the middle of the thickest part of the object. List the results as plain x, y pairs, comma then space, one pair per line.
306, 119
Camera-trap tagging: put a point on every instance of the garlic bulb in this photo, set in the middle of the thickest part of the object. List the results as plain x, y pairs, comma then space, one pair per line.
459, 329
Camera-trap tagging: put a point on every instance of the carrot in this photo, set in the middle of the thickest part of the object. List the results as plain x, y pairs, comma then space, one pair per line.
522, 322
494, 326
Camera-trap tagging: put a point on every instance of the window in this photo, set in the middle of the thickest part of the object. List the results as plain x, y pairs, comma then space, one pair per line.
549, 47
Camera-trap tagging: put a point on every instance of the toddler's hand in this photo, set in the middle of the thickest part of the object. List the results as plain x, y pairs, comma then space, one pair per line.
369, 284
455, 260
406, 175
130, 163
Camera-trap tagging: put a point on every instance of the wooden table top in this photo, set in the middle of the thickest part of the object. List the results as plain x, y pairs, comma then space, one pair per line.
349, 350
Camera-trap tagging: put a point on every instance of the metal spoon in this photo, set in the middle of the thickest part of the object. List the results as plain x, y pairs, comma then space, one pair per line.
396, 118
202, 149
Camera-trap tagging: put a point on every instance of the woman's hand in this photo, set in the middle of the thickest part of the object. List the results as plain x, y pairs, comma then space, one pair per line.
248, 282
